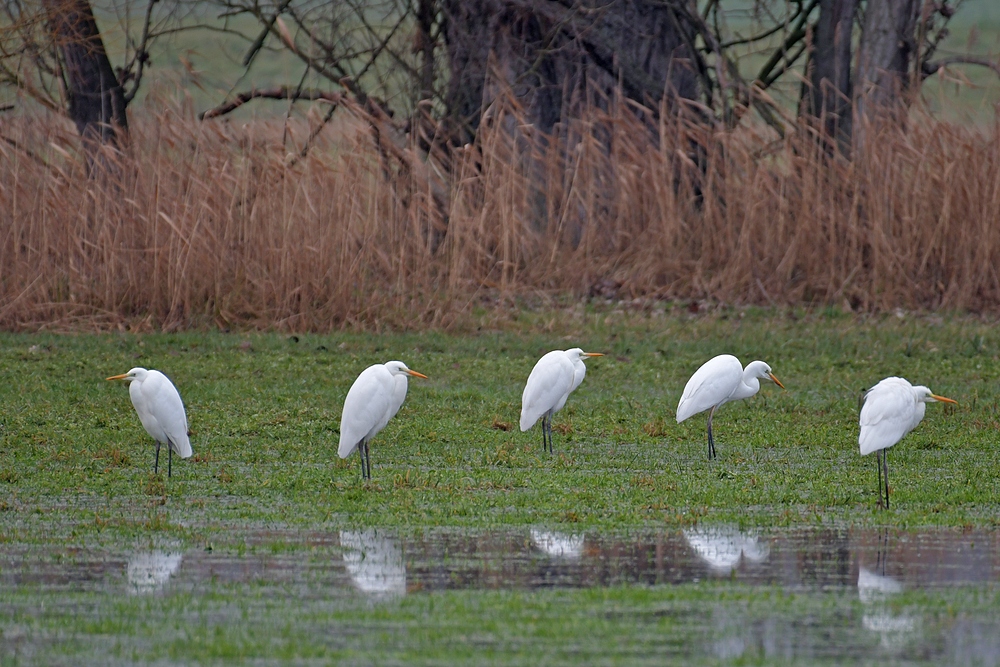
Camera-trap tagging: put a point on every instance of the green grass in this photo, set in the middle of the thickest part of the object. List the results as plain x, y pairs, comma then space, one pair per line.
76, 487
264, 411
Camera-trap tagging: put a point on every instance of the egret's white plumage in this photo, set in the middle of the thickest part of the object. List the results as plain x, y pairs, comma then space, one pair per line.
720, 380
891, 409
550, 383
374, 399
161, 411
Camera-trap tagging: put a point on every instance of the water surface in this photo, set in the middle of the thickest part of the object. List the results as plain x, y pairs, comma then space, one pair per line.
714, 592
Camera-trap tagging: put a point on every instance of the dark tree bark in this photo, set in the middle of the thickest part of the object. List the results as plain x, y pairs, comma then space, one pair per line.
829, 98
885, 55
426, 16
558, 57
549, 51
96, 98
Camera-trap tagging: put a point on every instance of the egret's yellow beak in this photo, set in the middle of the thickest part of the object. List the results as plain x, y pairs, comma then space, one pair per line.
593, 354
416, 374
118, 377
776, 380
944, 399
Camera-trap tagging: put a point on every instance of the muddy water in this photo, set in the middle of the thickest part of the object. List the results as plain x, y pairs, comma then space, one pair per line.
853, 579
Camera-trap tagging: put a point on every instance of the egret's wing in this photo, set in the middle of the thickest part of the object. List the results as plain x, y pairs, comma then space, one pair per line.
887, 415
399, 387
164, 403
141, 405
366, 406
710, 385
550, 381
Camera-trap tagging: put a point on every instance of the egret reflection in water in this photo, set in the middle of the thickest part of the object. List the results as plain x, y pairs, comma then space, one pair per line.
375, 562
874, 591
149, 571
722, 547
558, 545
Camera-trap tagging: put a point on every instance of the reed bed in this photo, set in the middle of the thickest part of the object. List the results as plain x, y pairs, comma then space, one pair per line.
211, 224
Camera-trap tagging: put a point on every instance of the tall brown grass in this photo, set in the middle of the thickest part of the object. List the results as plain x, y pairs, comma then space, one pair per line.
211, 224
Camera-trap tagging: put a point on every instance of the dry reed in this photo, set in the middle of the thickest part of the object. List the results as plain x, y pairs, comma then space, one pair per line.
210, 224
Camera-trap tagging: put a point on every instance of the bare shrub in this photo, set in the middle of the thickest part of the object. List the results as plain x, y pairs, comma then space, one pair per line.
212, 225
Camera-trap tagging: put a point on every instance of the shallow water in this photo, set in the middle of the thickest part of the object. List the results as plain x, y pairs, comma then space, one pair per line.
851, 589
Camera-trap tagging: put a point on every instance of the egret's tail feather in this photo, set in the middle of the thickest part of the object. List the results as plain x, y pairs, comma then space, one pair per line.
346, 449
183, 448
527, 421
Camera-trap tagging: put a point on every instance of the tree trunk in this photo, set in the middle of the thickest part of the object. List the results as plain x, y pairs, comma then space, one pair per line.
548, 51
426, 14
829, 98
888, 46
96, 101
556, 57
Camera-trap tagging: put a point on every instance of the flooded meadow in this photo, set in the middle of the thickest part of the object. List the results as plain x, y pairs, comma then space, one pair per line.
711, 593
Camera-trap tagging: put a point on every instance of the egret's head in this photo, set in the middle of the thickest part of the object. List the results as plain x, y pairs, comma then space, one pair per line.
134, 374
761, 370
399, 368
576, 353
927, 396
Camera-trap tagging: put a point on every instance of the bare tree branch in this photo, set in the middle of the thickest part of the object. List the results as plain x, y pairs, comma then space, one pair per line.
281, 93
797, 34
767, 33
930, 68
141, 55
265, 31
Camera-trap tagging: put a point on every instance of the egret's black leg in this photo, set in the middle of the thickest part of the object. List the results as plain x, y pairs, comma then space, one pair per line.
711, 439
878, 468
156, 463
885, 474
361, 457
547, 432
170, 460
548, 427
552, 449
368, 459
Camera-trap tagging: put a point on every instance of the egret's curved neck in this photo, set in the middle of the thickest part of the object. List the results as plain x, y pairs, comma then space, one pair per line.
747, 387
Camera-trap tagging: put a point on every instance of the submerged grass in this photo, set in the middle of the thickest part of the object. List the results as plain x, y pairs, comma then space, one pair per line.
264, 411
710, 623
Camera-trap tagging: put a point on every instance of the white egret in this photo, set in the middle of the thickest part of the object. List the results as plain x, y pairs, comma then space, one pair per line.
374, 399
550, 383
720, 380
161, 412
891, 409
